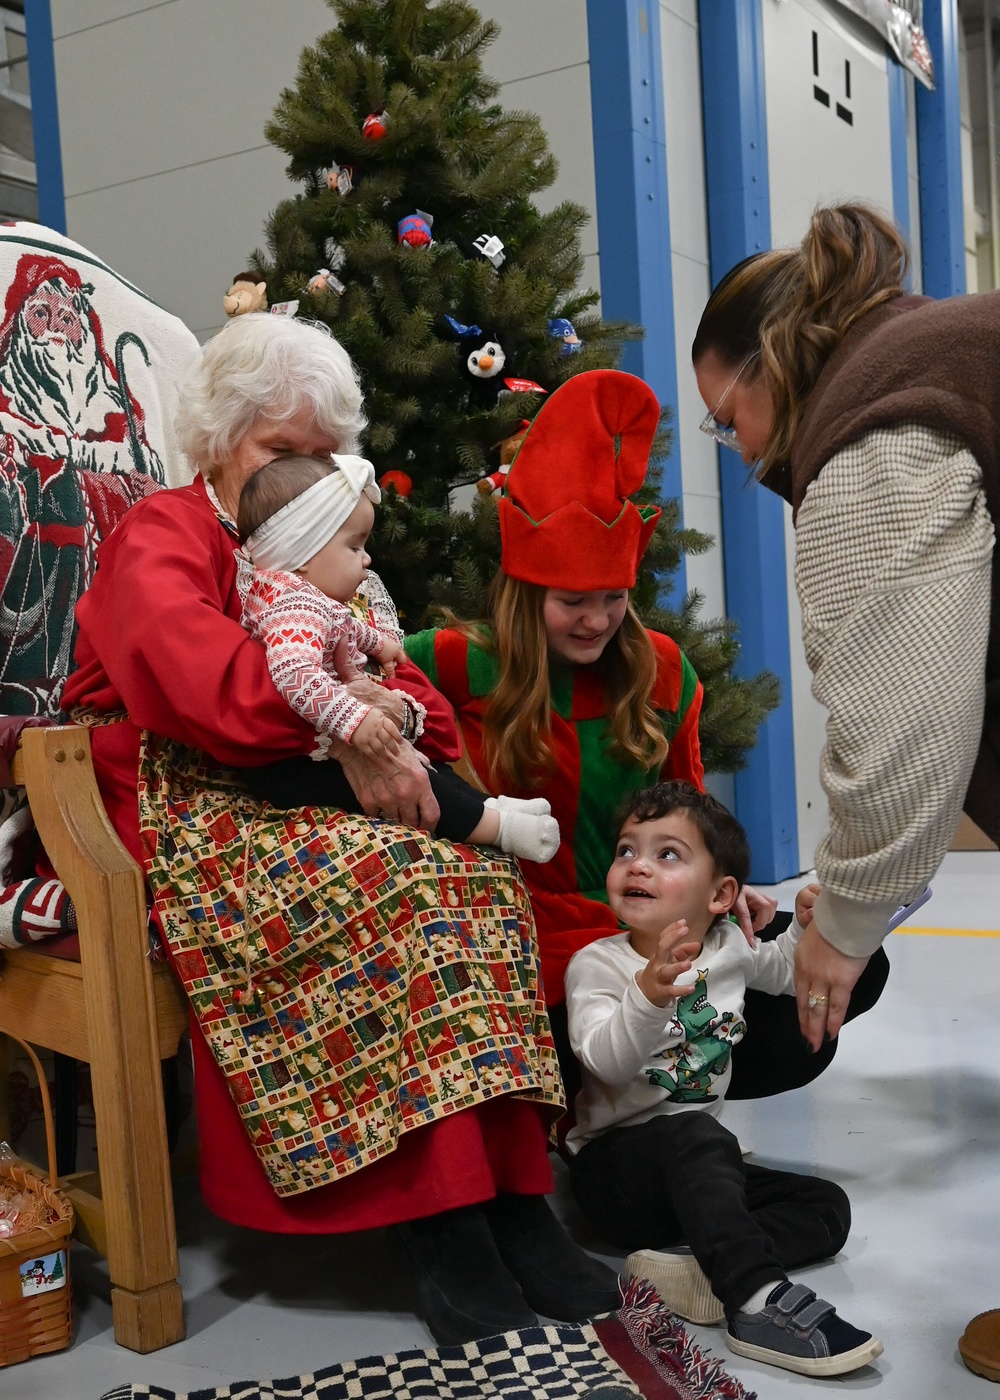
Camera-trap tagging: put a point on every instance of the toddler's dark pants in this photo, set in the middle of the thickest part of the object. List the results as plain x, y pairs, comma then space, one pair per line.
680, 1178
302, 782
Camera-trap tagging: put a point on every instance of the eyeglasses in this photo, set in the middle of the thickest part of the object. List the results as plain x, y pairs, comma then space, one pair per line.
728, 437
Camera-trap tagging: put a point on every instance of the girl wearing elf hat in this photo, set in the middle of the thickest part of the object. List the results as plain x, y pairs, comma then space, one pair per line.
563, 680
562, 693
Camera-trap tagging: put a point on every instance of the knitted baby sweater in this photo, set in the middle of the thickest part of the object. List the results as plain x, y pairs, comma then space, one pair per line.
300, 627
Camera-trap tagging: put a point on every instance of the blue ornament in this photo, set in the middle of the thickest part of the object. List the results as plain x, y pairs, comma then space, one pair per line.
458, 329
561, 329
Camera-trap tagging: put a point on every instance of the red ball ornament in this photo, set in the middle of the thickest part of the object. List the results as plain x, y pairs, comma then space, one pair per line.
399, 481
375, 125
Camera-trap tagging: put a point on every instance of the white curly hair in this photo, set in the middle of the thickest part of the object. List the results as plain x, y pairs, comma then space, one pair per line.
267, 366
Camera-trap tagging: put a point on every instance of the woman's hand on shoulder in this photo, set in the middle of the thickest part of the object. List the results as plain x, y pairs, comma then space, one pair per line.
393, 787
753, 911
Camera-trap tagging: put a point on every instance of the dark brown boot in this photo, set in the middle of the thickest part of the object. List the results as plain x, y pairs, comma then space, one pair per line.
979, 1345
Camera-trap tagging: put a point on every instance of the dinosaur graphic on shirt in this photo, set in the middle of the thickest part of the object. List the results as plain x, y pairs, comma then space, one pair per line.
687, 1070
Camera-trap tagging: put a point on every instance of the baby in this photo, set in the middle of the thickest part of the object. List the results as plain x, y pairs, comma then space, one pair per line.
654, 1013
305, 523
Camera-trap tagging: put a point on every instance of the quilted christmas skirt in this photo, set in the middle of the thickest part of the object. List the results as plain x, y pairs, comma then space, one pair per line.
354, 979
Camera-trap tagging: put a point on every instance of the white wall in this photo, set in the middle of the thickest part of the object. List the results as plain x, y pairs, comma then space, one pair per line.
162, 107
817, 157
913, 181
692, 284
973, 222
541, 61
979, 91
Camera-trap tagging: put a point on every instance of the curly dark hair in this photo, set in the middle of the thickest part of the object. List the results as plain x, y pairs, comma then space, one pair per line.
724, 838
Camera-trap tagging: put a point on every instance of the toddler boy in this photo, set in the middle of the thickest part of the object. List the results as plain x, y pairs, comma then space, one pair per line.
653, 1016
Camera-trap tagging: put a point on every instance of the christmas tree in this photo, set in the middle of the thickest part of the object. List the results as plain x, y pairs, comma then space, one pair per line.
416, 239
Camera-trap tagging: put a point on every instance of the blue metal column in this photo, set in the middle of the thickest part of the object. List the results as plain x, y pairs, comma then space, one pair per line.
633, 211
939, 158
753, 524
45, 114
898, 80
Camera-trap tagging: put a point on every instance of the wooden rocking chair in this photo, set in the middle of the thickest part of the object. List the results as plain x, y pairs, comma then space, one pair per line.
121, 1014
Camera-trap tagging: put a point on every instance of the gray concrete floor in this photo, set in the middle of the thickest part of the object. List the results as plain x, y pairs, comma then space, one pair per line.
907, 1119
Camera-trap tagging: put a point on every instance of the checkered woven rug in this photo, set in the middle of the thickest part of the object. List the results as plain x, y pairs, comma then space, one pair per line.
644, 1349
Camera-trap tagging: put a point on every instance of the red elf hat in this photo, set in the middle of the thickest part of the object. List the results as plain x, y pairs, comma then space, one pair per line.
565, 520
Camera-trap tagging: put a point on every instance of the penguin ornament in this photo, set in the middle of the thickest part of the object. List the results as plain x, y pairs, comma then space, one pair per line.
484, 368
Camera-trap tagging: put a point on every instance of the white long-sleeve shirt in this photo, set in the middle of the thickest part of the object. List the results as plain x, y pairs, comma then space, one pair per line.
640, 1060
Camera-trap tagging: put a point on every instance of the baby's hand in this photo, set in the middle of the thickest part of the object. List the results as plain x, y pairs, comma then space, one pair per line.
376, 736
804, 902
673, 956
389, 654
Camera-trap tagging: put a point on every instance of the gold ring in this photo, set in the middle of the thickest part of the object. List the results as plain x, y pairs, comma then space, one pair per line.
815, 1000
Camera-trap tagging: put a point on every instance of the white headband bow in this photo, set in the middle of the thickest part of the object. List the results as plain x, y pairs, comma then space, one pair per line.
299, 530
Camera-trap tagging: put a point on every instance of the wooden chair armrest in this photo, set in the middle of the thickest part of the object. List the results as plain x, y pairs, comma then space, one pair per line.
108, 892
79, 817
54, 765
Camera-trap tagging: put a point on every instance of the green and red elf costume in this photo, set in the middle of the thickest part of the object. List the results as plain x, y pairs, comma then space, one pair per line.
586, 786
566, 522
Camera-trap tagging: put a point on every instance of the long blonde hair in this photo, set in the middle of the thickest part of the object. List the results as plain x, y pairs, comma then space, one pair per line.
517, 721
793, 307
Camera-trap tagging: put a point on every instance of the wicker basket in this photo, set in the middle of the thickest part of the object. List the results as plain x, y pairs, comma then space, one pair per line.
35, 1307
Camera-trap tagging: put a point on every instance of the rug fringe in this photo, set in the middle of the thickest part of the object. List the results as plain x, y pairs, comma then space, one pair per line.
660, 1333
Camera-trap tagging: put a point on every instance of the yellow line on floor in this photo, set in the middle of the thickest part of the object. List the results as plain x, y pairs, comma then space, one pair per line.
949, 932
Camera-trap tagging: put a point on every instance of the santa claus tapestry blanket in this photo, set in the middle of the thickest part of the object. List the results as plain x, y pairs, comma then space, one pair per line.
89, 369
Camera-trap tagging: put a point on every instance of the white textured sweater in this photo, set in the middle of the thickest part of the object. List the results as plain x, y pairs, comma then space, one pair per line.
639, 1059
894, 545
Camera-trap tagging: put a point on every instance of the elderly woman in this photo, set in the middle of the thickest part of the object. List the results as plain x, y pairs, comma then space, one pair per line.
371, 1045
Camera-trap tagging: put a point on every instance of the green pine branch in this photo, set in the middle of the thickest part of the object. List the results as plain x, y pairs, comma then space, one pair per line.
454, 152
